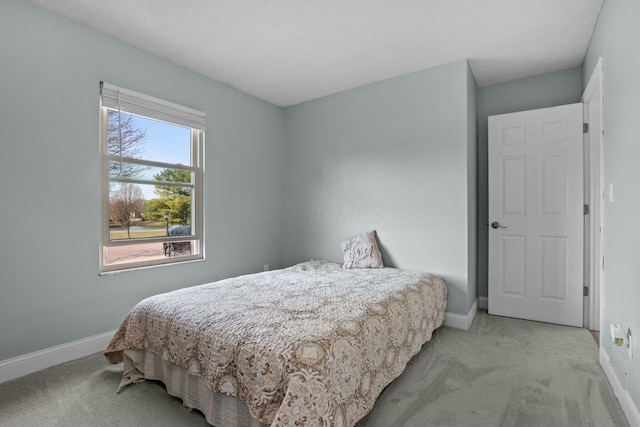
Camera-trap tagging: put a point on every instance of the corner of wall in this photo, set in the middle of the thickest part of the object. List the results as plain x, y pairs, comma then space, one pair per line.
628, 406
461, 321
472, 186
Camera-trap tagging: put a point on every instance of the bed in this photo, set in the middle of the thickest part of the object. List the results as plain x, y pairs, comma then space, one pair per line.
309, 345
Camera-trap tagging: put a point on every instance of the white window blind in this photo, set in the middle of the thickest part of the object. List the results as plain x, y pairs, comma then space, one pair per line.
118, 98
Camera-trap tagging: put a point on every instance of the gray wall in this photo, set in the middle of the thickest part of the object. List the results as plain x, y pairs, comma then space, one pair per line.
616, 40
50, 291
549, 90
391, 156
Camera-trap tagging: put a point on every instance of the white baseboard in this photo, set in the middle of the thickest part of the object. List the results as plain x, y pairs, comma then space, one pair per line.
461, 321
629, 408
42, 359
483, 303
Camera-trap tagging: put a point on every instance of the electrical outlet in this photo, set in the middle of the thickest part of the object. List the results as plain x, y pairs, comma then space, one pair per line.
266, 267
618, 335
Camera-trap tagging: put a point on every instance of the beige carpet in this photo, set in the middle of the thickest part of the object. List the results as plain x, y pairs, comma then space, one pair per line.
502, 372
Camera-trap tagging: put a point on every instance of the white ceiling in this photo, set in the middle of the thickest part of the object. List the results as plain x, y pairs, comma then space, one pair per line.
291, 51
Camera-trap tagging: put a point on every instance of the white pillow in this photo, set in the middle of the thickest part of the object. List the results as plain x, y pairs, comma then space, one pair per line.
362, 251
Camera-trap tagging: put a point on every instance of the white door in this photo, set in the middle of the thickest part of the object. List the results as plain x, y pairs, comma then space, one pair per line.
536, 215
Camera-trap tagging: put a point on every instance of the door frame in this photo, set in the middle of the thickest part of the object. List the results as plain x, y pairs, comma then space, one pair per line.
592, 100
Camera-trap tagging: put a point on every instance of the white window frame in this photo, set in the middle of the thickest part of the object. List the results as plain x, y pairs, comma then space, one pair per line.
119, 99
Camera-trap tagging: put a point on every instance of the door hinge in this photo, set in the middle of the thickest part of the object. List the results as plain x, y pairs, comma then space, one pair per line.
586, 209
585, 291
585, 128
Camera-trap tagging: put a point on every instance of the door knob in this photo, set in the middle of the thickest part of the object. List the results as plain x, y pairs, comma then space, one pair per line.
496, 224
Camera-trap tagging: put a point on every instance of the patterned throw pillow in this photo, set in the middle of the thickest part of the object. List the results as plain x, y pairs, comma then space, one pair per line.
362, 251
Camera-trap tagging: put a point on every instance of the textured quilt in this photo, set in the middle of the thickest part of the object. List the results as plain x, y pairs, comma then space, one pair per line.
309, 345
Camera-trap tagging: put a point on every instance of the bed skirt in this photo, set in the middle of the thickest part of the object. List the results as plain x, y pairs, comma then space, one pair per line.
219, 410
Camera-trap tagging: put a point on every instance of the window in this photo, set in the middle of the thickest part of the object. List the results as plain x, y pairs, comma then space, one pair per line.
152, 184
